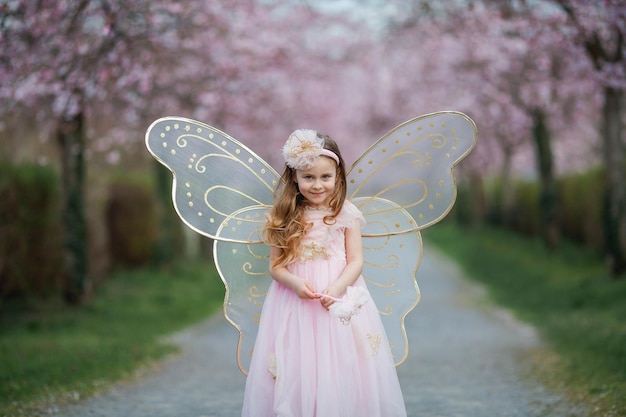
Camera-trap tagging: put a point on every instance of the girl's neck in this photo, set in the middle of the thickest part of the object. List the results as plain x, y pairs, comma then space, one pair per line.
316, 207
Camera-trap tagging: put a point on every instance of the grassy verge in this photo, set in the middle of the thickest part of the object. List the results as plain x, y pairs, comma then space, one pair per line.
54, 353
568, 296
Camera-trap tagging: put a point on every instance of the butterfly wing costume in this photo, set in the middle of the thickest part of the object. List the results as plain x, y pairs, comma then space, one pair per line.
402, 184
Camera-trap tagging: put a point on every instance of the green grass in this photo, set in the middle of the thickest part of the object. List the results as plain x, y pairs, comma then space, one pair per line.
567, 295
53, 353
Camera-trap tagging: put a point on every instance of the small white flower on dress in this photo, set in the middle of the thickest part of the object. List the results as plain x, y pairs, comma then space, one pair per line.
302, 149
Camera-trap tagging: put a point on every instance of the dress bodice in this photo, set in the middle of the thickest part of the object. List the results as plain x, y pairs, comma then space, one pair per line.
325, 241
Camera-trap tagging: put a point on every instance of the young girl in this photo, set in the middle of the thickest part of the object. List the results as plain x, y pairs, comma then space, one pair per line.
306, 361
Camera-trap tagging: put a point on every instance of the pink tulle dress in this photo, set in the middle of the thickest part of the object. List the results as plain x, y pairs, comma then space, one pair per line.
307, 362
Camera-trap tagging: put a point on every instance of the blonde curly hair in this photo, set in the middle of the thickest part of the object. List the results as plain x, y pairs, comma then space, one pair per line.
285, 226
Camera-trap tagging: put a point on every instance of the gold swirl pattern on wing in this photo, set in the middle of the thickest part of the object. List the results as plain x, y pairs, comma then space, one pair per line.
439, 141
221, 213
201, 167
181, 142
374, 211
393, 259
203, 160
255, 254
436, 143
396, 220
422, 196
223, 152
425, 149
388, 311
256, 297
248, 269
391, 282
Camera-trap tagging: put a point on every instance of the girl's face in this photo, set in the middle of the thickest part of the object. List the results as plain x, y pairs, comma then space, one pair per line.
317, 183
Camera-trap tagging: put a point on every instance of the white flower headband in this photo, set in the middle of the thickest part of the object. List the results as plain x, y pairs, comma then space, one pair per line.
303, 148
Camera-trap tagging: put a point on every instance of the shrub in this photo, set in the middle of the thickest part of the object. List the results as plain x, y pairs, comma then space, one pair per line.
581, 207
31, 246
579, 211
132, 224
526, 216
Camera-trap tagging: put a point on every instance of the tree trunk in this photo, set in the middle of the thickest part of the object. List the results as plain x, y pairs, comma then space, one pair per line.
548, 198
615, 192
71, 139
601, 54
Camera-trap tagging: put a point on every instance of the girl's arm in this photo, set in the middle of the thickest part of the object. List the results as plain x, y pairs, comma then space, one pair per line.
354, 266
302, 288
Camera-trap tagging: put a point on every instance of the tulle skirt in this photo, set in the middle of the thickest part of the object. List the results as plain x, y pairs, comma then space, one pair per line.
307, 363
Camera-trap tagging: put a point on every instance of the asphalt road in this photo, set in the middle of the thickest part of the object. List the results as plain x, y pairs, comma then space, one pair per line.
467, 358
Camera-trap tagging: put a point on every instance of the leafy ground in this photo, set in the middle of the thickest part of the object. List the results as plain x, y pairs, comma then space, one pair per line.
50, 352
567, 295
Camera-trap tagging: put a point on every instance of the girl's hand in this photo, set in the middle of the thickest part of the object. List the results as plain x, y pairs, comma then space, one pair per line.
304, 290
327, 302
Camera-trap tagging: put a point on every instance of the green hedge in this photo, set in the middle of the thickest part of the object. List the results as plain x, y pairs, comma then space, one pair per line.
31, 232
581, 198
579, 211
526, 218
31, 246
142, 225
132, 224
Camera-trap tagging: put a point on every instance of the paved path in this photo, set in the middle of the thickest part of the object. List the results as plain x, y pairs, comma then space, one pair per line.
465, 360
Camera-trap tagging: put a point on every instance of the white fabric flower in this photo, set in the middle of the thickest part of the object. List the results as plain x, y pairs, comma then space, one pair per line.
349, 304
302, 149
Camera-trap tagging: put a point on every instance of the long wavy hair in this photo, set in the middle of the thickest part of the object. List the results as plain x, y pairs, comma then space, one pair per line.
286, 226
